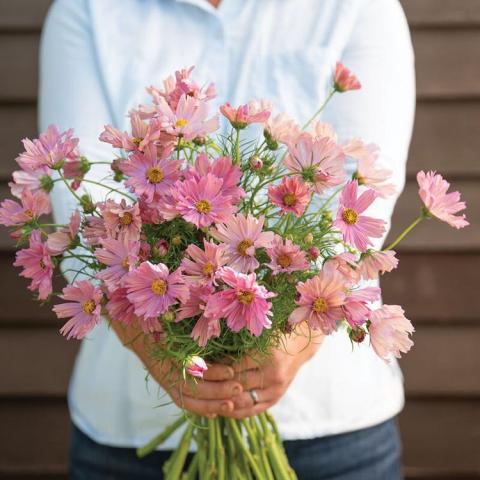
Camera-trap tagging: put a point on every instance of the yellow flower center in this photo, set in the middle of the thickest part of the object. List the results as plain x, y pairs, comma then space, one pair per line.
243, 246
89, 306
320, 305
154, 175
126, 219
28, 212
181, 122
289, 199
42, 264
125, 263
349, 216
208, 268
246, 297
137, 141
284, 260
203, 206
159, 287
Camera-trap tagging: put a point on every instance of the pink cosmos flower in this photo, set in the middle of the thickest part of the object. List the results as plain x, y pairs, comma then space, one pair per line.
202, 202
242, 236
356, 228
37, 265
150, 211
152, 289
50, 149
356, 307
292, 195
13, 214
439, 203
120, 309
121, 220
345, 264
61, 240
200, 266
344, 80
281, 129
94, 230
374, 263
149, 175
244, 115
32, 180
84, 308
286, 257
120, 256
188, 120
223, 168
196, 366
319, 162
244, 304
389, 331
321, 300
321, 130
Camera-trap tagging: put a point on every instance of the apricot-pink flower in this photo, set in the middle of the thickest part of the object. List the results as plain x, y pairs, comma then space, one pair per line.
319, 162
292, 195
32, 180
37, 265
345, 264
242, 235
94, 230
389, 331
244, 304
120, 309
344, 80
439, 203
200, 266
244, 115
84, 308
321, 300
33, 205
121, 220
374, 263
153, 290
356, 228
356, 306
202, 202
281, 129
286, 257
61, 240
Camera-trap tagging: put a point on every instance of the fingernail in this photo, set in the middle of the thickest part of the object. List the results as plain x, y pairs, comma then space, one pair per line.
229, 372
212, 415
225, 407
236, 390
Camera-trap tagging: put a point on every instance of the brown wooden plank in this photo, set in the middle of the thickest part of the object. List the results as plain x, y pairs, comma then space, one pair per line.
442, 436
444, 361
36, 362
442, 13
22, 14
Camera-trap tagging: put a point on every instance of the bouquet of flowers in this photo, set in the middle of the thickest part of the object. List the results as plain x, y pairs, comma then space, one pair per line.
217, 247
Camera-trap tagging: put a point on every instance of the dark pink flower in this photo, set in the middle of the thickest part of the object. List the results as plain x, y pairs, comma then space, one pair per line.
200, 266
94, 230
121, 220
84, 308
120, 309
244, 115
13, 214
292, 195
344, 80
286, 257
63, 238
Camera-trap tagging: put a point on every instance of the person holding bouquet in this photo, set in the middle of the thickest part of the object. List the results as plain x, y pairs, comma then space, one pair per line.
335, 407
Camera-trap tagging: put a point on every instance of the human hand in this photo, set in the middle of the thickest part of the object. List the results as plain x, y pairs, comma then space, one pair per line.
209, 397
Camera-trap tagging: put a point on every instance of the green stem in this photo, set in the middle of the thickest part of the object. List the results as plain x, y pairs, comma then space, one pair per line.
159, 439
192, 469
320, 110
212, 446
181, 453
328, 200
405, 232
64, 180
220, 449
237, 147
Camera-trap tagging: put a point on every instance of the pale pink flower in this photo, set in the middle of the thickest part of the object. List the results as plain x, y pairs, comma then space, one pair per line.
244, 304
321, 300
244, 115
286, 257
37, 265
242, 235
119, 256
319, 162
281, 129
357, 229
94, 230
389, 331
196, 366
321, 130
345, 264
292, 195
344, 80
33, 205
50, 149
63, 238
356, 306
439, 203
374, 263
200, 266
153, 290
121, 220
120, 309
149, 175
84, 308
202, 202
32, 180
223, 168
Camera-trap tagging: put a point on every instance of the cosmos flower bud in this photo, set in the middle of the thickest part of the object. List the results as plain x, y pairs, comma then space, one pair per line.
313, 253
357, 334
196, 366
256, 163
177, 240
161, 248
169, 316
308, 239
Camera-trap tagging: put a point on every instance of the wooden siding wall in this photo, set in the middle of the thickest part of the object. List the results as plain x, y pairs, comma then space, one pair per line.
436, 281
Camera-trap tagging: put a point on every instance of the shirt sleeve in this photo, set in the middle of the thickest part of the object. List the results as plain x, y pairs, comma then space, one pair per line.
379, 52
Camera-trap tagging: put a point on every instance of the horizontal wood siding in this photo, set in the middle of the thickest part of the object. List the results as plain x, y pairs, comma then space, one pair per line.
437, 281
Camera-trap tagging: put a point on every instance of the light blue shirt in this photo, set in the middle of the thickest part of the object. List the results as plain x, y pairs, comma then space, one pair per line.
97, 57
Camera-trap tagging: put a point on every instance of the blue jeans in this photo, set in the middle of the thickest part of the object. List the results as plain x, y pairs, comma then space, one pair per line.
368, 454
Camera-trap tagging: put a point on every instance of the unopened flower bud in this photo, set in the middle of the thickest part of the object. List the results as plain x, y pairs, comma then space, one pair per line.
196, 366
161, 248
357, 334
87, 203
199, 141
177, 240
313, 253
46, 183
256, 163
308, 239
169, 316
